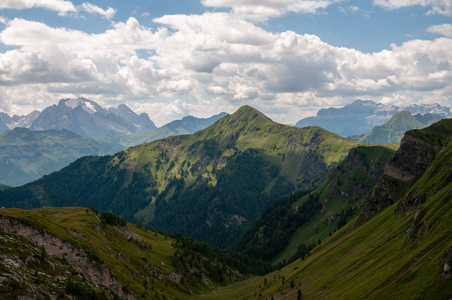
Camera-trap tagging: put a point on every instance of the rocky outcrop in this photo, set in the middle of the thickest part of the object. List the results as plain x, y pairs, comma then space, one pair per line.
445, 264
79, 259
409, 162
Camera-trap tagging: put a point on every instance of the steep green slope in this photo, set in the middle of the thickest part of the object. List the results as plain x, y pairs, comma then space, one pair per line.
412, 159
209, 185
394, 130
27, 155
185, 126
403, 252
294, 224
69, 253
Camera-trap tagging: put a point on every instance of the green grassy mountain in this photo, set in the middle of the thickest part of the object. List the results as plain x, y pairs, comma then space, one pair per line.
27, 155
77, 253
294, 224
209, 185
394, 130
402, 251
186, 125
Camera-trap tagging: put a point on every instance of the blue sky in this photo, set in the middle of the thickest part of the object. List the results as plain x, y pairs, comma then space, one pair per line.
172, 58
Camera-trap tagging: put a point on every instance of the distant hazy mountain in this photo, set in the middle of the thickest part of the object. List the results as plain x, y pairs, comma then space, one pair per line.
3, 127
394, 130
19, 121
362, 115
27, 155
429, 109
87, 118
185, 126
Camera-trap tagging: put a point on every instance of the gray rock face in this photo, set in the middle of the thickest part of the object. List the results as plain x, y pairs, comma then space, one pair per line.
362, 115
412, 159
87, 118
95, 271
19, 121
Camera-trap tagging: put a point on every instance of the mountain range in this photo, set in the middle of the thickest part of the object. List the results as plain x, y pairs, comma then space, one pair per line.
7, 122
30, 154
186, 125
377, 227
361, 116
87, 118
394, 130
210, 185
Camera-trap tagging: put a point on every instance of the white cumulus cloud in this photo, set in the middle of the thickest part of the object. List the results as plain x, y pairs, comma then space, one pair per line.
61, 6
265, 9
441, 7
212, 62
94, 9
444, 29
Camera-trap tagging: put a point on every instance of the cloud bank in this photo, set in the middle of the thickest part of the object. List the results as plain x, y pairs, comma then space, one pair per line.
202, 64
63, 7
441, 7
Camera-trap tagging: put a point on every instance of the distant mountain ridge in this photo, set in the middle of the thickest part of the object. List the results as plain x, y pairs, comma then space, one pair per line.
87, 118
17, 121
3, 127
394, 130
361, 116
21, 169
186, 125
27, 155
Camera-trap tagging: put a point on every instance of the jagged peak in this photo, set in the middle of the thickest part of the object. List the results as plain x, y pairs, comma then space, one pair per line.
88, 105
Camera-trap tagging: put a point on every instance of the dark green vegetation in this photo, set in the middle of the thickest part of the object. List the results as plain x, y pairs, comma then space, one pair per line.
399, 249
293, 225
209, 185
4, 187
394, 130
64, 252
27, 155
185, 126
403, 251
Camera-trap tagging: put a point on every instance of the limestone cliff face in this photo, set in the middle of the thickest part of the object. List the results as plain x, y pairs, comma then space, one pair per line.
409, 162
95, 271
